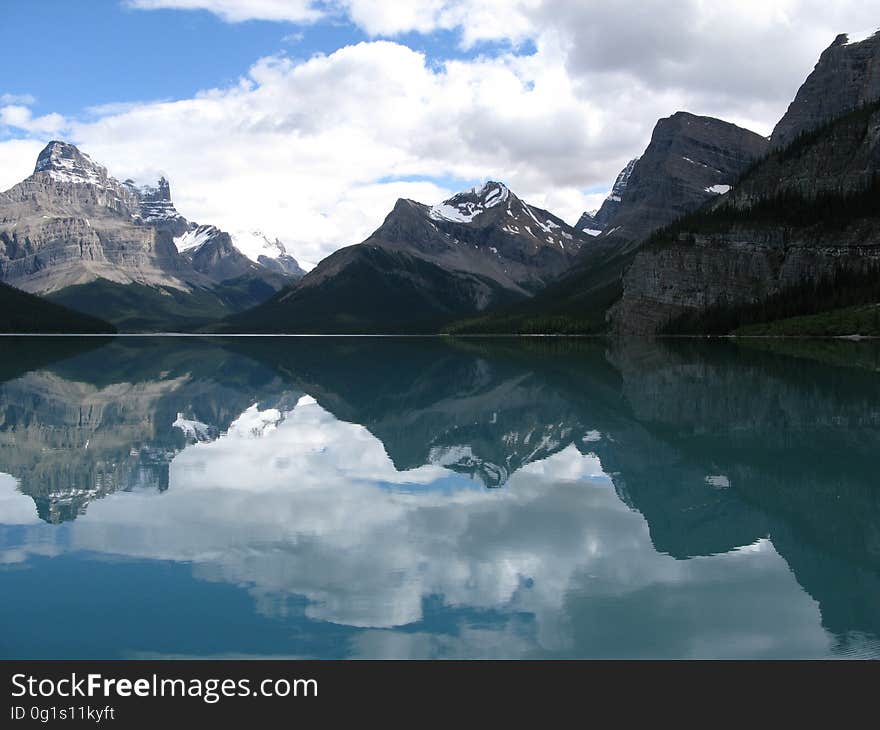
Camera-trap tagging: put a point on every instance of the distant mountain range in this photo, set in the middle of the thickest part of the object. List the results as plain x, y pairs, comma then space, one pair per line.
715, 228
712, 229
426, 266
73, 234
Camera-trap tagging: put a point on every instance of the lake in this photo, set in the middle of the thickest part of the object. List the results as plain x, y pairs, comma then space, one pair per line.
431, 498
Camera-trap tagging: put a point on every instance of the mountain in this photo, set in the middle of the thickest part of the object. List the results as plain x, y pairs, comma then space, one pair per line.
71, 223
689, 162
425, 266
269, 252
847, 76
23, 312
73, 233
797, 235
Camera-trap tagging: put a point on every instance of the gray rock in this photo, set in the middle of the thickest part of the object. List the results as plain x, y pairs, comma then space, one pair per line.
71, 223
846, 77
690, 161
600, 219
747, 262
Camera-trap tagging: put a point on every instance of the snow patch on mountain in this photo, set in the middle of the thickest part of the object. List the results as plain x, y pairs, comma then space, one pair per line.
65, 163
465, 207
254, 244
196, 237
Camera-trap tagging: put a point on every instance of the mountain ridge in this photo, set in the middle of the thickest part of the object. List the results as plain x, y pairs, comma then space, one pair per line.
481, 247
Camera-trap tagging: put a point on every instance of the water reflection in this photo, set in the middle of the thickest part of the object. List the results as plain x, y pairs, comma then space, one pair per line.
429, 498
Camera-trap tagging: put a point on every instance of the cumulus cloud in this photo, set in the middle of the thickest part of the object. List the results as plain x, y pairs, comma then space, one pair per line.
21, 117
316, 150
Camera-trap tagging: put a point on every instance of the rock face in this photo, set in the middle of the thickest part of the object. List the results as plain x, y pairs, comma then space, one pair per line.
486, 231
598, 222
156, 208
846, 77
690, 161
426, 265
749, 247
71, 224
741, 266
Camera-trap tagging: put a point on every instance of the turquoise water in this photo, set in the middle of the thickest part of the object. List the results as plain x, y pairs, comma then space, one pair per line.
411, 498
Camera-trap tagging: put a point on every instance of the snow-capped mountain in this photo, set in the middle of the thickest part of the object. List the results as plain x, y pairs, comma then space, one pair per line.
270, 252
493, 205
64, 163
241, 252
71, 226
466, 206
487, 231
426, 264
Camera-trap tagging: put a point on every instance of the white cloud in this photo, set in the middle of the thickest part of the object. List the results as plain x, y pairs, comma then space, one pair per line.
21, 117
236, 11
25, 99
17, 160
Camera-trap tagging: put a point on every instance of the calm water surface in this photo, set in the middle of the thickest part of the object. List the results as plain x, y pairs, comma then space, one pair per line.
366, 498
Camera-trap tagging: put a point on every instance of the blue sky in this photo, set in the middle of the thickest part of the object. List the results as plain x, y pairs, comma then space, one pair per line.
72, 56
309, 131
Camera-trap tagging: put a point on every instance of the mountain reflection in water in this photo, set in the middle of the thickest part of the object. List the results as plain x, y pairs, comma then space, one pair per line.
369, 497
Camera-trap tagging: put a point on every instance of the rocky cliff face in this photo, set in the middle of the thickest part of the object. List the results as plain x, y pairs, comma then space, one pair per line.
598, 222
71, 224
690, 161
846, 77
155, 207
749, 248
741, 266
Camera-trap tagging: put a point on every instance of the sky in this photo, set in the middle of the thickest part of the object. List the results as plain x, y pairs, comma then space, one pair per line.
307, 119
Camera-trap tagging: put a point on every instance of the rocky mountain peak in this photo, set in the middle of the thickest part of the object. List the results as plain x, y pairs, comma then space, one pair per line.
689, 161
846, 77
155, 206
468, 205
63, 162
